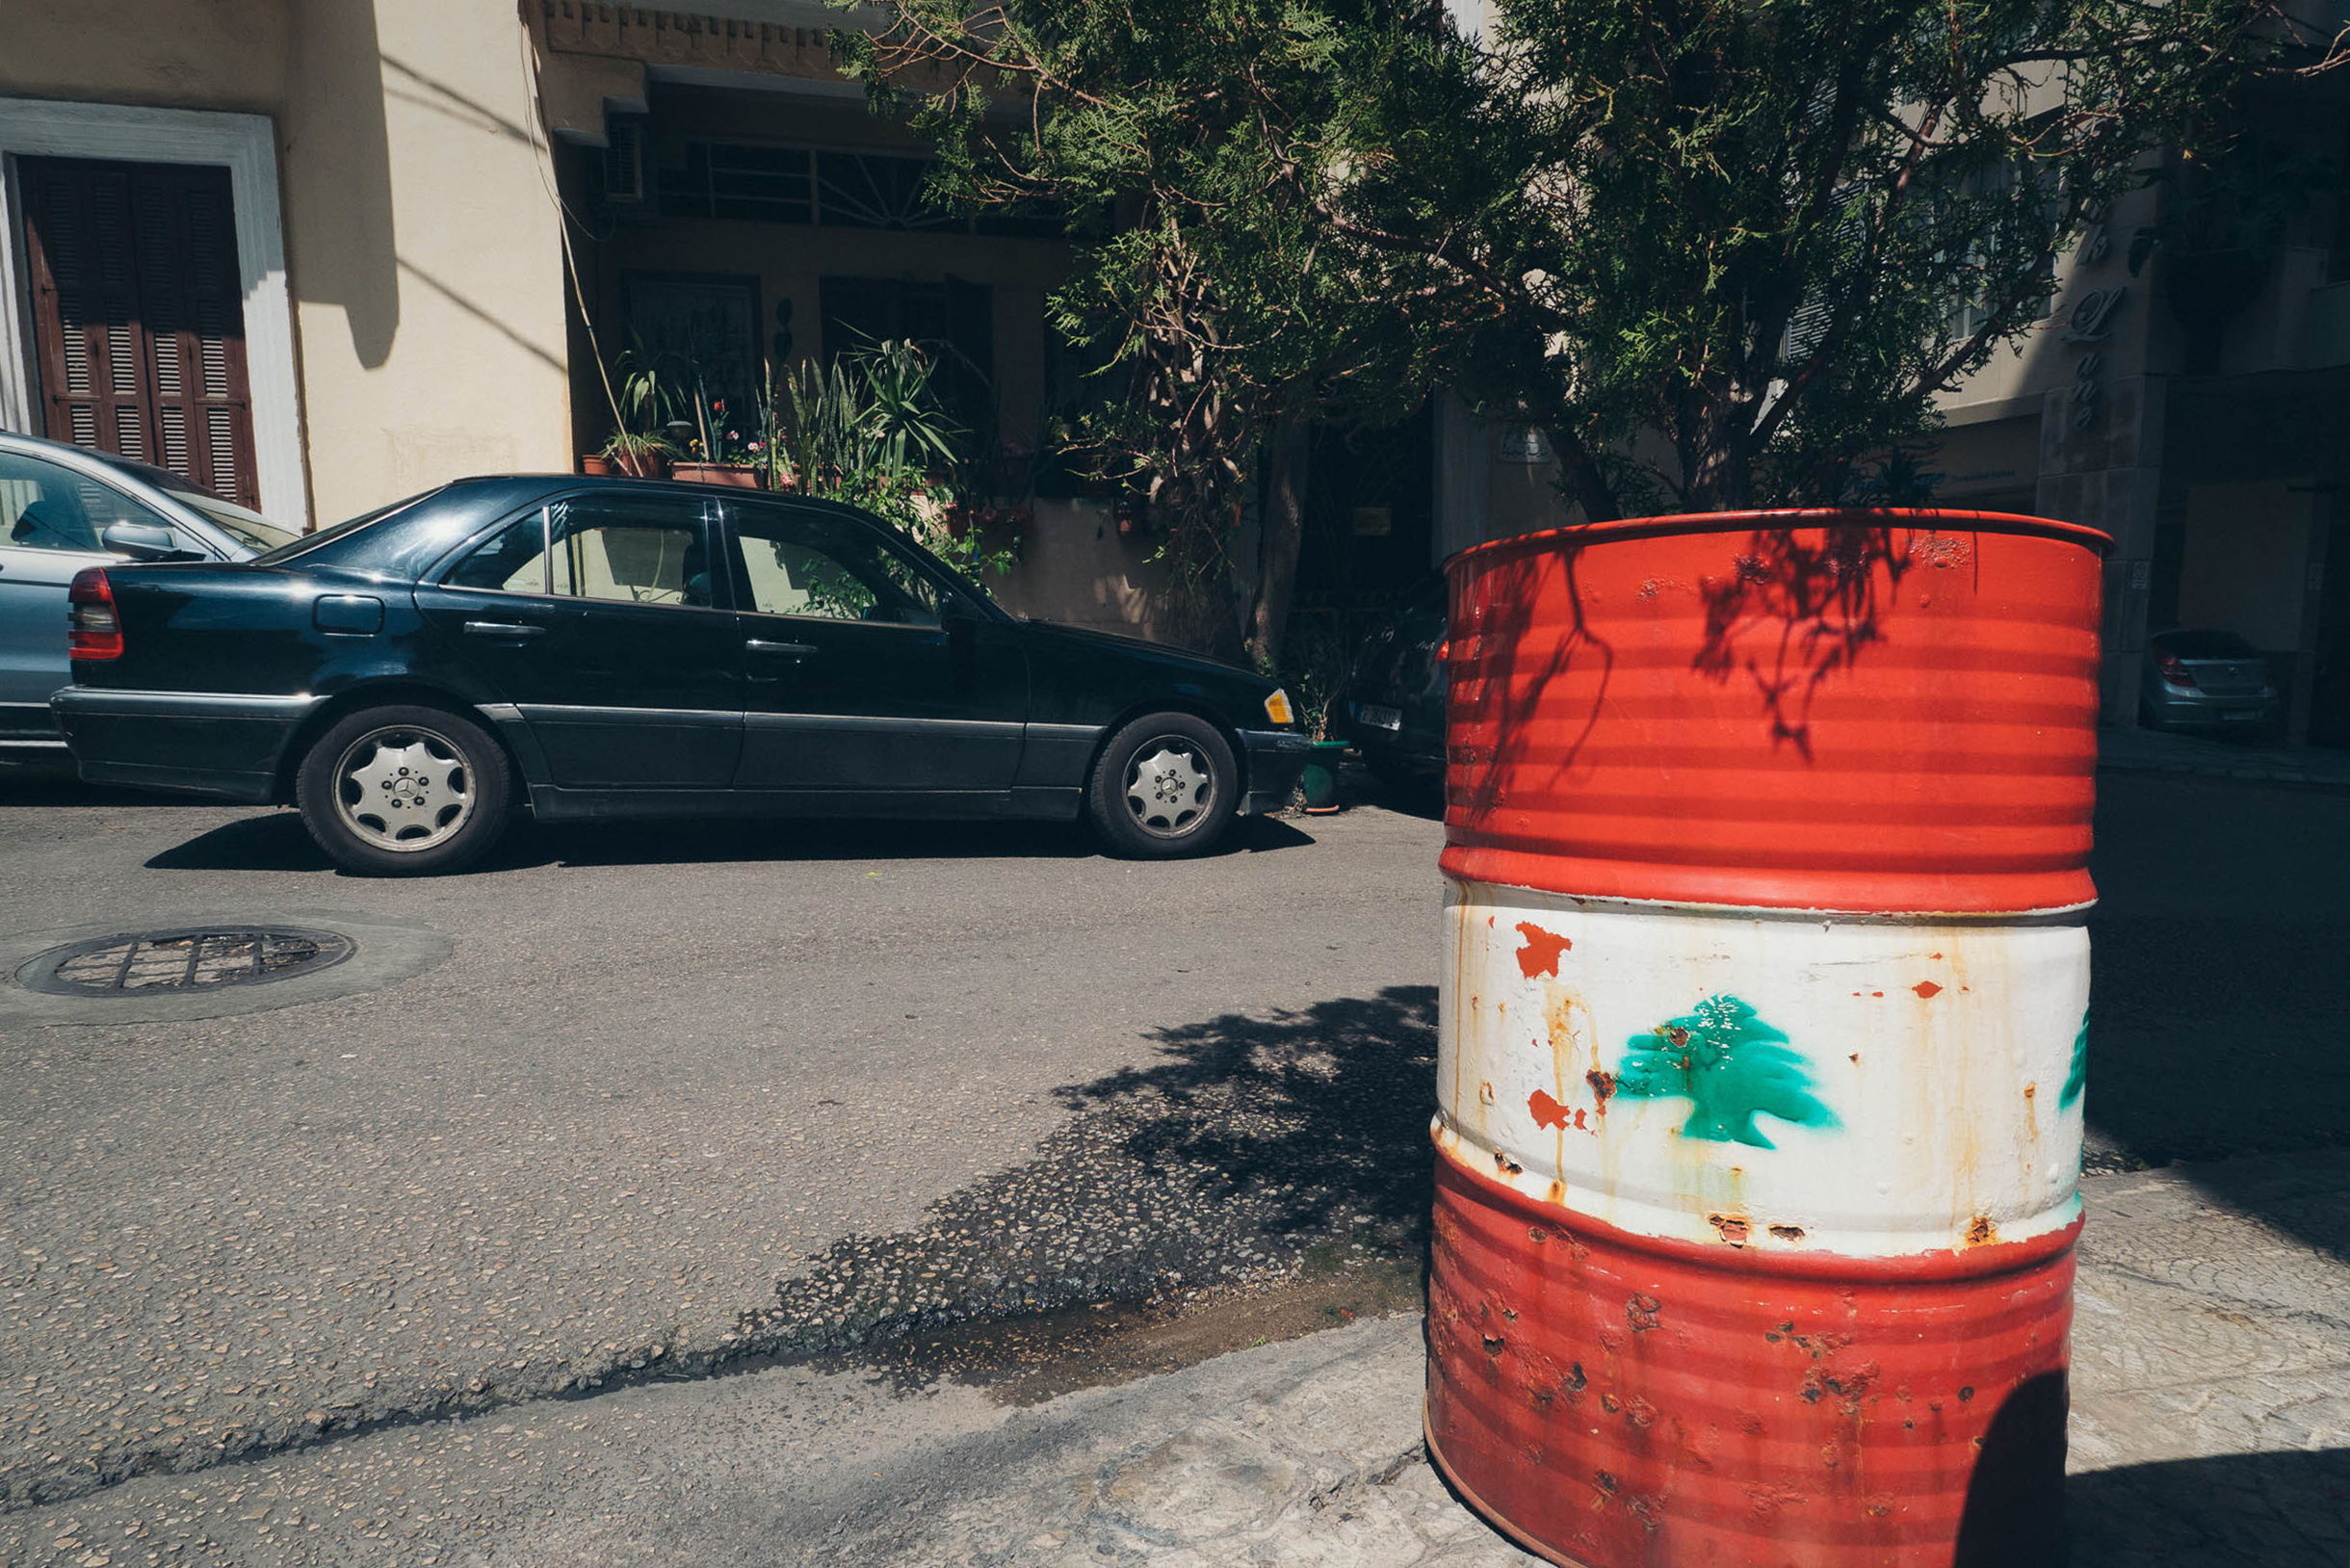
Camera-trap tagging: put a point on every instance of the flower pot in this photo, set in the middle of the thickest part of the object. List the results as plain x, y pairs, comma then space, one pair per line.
1761, 1040
1319, 780
740, 476
595, 464
642, 466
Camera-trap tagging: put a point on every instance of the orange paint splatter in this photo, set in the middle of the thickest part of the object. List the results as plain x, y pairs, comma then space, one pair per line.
1927, 988
1539, 955
1546, 1112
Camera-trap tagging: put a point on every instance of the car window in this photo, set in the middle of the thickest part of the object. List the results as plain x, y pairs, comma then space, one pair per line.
2200, 644
511, 561
303, 544
253, 531
46, 506
829, 567
622, 550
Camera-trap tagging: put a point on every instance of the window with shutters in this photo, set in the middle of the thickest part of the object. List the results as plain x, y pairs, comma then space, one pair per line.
138, 317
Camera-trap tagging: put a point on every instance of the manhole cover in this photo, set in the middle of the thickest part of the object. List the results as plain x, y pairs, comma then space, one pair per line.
151, 963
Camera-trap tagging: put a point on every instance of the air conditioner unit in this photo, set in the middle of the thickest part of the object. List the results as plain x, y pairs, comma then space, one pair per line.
624, 161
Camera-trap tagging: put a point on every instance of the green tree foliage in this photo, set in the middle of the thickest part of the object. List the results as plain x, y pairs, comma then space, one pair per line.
1722, 249
1730, 1065
1719, 249
1191, 146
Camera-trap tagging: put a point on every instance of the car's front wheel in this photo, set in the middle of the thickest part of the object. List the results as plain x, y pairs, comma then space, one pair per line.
1165, 786
403, 791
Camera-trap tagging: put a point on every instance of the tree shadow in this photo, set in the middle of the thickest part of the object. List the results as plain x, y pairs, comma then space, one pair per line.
278, 841
1318, 1111
1798, 604
1250, 1147
2276, 1510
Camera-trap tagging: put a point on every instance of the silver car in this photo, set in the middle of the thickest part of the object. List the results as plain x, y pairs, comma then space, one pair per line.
2205, 680
64, 508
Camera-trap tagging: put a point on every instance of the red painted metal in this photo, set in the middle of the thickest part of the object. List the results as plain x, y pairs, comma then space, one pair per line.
1614, 1399
1887, 711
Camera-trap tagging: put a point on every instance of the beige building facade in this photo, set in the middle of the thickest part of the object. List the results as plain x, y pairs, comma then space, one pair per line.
394, 240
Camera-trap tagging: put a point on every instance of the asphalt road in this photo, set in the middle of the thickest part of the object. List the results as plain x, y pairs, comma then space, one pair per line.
682, 1098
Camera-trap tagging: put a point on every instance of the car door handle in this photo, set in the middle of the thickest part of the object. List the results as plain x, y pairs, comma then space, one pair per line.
503, 629
792, 650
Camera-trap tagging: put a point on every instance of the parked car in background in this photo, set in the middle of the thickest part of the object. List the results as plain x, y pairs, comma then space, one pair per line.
65, 507
2206, 680
616, 647
1395, 714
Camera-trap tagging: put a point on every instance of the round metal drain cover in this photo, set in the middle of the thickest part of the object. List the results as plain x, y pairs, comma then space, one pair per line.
170, 962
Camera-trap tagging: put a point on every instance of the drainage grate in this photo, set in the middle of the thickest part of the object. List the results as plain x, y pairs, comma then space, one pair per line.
147, 963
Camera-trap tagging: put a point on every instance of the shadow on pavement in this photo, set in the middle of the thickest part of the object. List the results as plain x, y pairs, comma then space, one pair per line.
277, 842
45, 778
2217, 1016
2277, 1510
1293, 1147
1328, 1106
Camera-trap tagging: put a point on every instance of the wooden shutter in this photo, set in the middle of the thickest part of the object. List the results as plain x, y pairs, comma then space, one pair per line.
138, 316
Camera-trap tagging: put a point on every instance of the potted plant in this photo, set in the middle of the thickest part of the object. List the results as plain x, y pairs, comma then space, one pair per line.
641, 403
717, 452
1315, 670
639, 457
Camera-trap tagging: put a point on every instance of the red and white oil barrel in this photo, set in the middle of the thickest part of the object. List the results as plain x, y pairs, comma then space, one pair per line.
1762, 1030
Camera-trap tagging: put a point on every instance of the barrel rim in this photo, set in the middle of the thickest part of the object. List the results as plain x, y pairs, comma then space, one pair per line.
1525, 1539
1993, 1258
1733, 522
1801, 914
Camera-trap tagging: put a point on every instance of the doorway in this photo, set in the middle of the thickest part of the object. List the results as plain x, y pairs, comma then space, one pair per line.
138, 316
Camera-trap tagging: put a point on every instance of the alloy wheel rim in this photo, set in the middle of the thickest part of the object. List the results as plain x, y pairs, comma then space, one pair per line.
404, 788
1169, 787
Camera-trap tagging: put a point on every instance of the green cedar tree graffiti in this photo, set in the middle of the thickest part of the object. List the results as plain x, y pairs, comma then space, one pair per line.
1731, 1065
2077, 1079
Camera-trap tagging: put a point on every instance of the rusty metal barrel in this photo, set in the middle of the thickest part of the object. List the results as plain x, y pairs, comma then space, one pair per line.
1761, 1033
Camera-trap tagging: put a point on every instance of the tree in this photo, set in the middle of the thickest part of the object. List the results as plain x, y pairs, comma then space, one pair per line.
1719, 249
1188, 147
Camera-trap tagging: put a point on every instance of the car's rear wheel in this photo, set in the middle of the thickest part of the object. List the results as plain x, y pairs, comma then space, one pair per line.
403, 791
1165, 786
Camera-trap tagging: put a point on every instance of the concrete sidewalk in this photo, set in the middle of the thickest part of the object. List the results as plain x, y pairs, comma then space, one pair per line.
2152, 751
2210, 1425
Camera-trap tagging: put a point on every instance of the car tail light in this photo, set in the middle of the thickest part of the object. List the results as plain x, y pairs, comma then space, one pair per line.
98, 630
2174, 670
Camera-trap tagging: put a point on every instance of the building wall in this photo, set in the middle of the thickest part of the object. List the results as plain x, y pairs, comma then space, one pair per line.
420, 242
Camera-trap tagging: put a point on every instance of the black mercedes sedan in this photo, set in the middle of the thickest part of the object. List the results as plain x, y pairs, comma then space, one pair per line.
591, 648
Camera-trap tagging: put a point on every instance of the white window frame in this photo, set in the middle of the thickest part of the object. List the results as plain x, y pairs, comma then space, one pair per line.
247, 146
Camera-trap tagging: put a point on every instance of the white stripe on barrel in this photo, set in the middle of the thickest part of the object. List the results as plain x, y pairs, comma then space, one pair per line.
1867, 1087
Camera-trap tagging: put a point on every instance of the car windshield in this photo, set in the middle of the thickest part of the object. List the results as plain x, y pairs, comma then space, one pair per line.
2204, 645
303, 544
255, 533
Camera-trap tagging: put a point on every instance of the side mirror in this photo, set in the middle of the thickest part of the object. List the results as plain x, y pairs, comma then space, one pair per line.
142, 541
